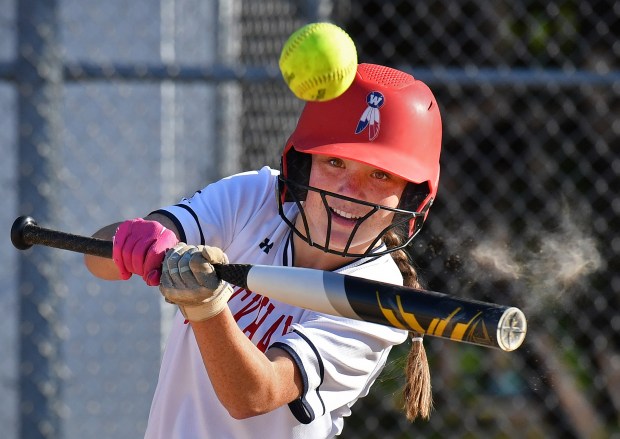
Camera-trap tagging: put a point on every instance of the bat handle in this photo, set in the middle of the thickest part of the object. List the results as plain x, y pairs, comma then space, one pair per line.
25, 233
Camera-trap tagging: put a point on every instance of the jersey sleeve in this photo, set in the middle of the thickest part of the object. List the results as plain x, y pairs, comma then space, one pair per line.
215, 215
339, 360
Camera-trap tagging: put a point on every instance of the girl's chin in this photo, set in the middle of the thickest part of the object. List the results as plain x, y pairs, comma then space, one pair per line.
338, 243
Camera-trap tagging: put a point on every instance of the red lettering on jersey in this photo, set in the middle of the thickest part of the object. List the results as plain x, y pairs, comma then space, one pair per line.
239, 290
265, 342
289, 322
250, 307
257, 303
250, 330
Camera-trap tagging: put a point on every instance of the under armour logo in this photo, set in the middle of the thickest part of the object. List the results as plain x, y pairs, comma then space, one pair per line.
265, 245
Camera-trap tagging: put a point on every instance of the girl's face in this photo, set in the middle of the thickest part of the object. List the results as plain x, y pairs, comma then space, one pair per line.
354, 180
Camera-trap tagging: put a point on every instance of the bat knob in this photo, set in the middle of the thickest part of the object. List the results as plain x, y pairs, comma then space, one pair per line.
17, 232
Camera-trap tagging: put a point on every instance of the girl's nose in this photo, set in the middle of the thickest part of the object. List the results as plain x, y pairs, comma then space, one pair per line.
351, 184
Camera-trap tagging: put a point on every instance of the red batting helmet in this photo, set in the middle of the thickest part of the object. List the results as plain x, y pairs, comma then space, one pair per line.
386, 119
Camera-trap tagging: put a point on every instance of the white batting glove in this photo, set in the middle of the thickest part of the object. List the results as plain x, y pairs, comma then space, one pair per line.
189, 280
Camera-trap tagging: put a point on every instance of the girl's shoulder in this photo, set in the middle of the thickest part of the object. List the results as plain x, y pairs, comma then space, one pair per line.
248, 190
262, 179
382, 268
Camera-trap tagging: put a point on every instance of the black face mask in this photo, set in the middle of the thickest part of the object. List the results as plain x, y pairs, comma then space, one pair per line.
406, 223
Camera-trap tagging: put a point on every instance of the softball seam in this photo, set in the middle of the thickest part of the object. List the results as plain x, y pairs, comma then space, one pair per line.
297, 41
308, 84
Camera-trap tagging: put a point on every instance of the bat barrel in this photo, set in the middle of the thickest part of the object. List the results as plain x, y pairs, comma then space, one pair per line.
437, 314
421, 311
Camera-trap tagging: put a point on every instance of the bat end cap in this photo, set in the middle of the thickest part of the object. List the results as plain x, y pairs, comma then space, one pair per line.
511, 329
17, 232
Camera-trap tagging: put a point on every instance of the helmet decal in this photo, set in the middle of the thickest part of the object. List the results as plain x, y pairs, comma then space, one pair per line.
370, 118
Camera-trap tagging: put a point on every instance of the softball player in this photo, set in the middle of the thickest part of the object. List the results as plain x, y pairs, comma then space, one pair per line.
357, 178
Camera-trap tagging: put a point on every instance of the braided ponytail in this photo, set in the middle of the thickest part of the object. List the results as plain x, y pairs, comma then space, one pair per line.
417, 392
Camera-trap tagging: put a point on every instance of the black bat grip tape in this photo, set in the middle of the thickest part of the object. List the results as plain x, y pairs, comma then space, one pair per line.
236, 274
25, 233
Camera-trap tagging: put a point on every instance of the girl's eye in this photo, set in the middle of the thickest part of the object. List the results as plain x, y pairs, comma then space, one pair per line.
380, 175
336, 162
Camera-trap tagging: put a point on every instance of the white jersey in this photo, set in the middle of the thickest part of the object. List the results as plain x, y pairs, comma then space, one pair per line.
339, 358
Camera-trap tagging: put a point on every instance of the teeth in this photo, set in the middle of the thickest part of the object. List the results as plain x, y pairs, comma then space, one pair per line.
344, 214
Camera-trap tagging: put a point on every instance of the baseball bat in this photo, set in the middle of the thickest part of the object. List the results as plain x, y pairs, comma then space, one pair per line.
425, 312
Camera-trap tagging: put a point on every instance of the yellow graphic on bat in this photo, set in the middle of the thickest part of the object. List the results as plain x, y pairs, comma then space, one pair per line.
437, 326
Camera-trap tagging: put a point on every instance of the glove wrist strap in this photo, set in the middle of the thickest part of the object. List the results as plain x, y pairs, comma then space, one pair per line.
209, 308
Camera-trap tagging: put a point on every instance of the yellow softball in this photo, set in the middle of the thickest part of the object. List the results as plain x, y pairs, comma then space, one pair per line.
318, 62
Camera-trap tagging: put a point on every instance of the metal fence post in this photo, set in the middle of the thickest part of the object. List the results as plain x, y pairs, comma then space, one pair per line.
39, 84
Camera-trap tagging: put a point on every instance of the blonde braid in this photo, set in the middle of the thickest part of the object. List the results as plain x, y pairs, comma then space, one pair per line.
417, 393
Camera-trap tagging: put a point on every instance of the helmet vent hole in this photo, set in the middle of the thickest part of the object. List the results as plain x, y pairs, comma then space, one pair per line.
385, 76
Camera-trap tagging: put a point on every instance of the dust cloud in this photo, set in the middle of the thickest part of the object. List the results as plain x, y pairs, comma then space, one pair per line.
546, 263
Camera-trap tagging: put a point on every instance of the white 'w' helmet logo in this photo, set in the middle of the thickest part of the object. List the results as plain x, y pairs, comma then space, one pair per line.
371, 117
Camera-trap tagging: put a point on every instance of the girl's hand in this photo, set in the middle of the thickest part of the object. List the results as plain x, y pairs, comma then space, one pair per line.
139, 248
189, 280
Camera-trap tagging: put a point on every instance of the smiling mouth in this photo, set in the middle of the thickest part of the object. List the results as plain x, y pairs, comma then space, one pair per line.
343, 214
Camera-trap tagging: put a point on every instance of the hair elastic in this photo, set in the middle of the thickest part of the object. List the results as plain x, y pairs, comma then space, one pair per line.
416, 337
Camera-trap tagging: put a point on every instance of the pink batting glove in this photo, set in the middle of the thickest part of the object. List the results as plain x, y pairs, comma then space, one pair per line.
139, 247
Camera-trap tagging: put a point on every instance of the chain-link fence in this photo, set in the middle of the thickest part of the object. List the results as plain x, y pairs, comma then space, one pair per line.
112, 109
